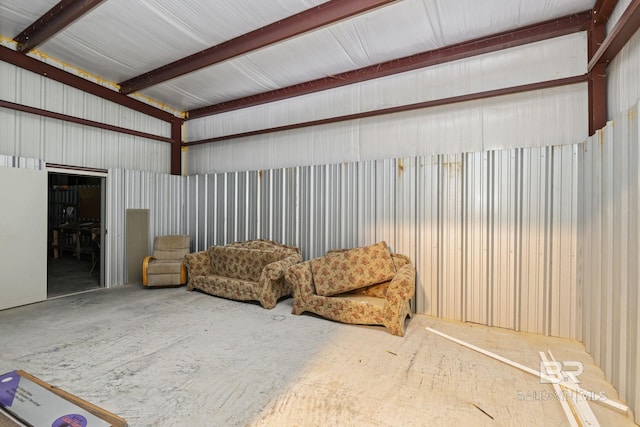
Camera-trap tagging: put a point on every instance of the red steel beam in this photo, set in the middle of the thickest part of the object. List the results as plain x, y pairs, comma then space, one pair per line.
42, 68
597, 85
176, 148
311, 19
624, 29
80, 121
602, 11
57, 18
597, 88
529, 34
402, 108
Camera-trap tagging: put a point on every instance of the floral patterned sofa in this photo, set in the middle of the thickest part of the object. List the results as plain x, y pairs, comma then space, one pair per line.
366, 286
246, 271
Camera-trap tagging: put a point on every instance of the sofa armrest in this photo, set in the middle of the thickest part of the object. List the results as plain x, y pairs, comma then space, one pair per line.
299, 275
198, 264
403, 285
145, 265
277, 269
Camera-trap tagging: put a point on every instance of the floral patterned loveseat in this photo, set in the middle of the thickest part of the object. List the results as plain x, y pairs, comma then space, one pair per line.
366, 286
251, 270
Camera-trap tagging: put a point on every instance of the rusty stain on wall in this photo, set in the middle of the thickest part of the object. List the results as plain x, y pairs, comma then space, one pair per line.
452, 167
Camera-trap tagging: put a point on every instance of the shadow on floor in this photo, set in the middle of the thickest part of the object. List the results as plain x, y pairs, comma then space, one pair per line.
68, 275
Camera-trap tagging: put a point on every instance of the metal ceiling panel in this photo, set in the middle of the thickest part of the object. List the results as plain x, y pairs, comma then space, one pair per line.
385, 34
53, 21
311, 19
16, 15
120, 39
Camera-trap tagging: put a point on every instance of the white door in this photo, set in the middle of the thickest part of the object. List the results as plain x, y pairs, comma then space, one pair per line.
23, 236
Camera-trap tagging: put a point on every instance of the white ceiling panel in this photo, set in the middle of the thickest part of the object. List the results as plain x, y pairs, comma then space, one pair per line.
385, 34
122, 39
16, 15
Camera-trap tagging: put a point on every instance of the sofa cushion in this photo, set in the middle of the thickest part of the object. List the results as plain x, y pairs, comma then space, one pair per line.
339, 272
240, 263
164, 267
164, 279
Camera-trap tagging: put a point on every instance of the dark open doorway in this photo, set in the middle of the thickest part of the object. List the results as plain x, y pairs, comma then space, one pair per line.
75, 209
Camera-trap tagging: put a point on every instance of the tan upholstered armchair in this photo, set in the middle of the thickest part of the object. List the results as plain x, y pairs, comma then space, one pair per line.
166, 267
364, 286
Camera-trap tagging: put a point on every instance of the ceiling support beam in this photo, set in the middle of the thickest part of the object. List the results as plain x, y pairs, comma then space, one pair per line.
311, 19
624, 29
403, 108
42, 68
504, 40
49, 24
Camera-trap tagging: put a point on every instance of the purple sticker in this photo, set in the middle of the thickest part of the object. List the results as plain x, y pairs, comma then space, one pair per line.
8, 387
71, 420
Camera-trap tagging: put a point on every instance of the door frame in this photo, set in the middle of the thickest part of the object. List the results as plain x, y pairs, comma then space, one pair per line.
91, 172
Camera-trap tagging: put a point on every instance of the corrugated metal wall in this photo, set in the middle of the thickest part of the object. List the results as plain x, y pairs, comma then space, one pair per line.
610, 247
162, 194
493, 234
21, 162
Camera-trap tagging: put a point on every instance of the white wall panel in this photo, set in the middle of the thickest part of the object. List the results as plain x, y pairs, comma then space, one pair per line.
56, 141
563, 57
520, 120
427, 235
503, 204
27, 88
475, 220
21, 162
623, 78
532, 240
609, 245
621, 6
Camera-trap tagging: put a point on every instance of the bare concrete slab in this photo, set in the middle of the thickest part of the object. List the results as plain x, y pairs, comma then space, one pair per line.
164, 357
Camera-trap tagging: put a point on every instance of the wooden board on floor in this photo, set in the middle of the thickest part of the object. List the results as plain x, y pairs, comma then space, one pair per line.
7, 420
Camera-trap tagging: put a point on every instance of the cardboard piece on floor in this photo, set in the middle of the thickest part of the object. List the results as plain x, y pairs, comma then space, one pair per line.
35, 402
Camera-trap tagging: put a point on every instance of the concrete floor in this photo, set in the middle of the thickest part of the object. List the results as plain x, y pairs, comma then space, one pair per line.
168, 357
69, 275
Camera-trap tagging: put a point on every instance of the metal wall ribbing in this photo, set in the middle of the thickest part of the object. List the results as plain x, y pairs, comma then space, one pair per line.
162, 194
610, 252
21, 162
493, 234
